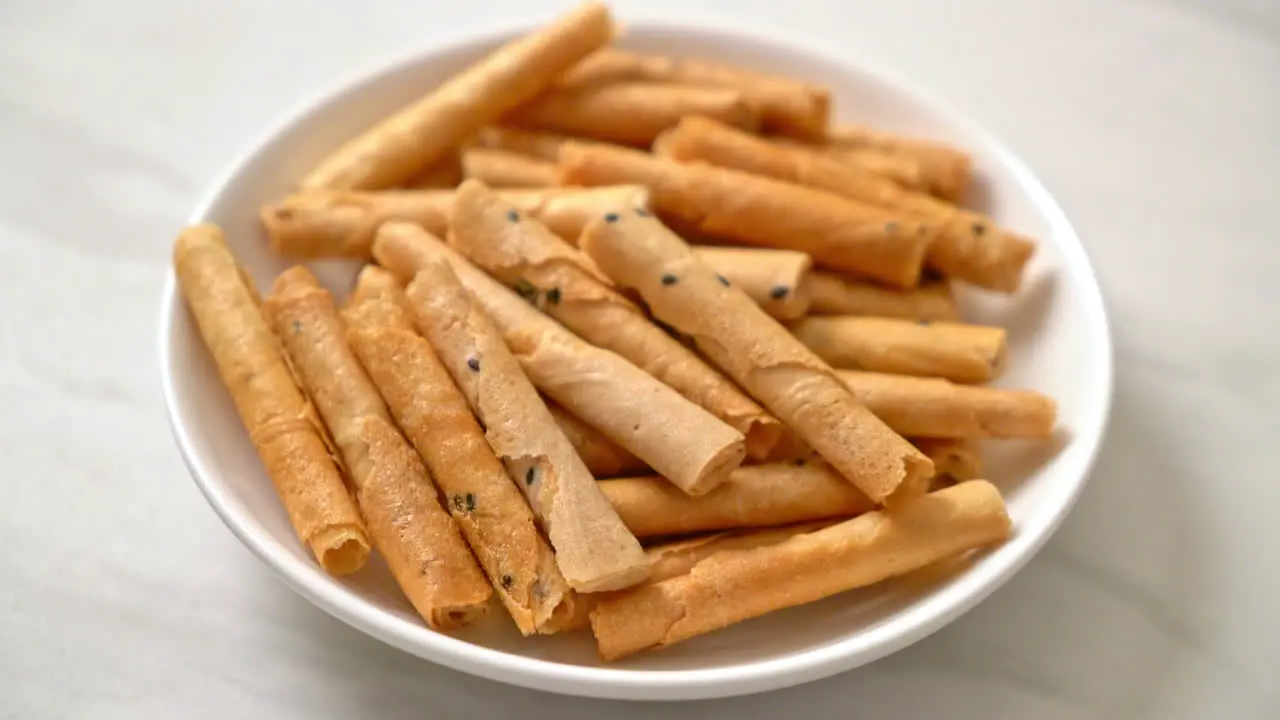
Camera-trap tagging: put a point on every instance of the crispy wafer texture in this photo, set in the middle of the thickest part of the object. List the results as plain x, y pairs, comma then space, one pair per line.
934, 407
835, 295
948, 171
778, 280
954, 351
502, 169
534, 143
639, 252
603, 457
404, 144
281, 424
954, 459
445, 173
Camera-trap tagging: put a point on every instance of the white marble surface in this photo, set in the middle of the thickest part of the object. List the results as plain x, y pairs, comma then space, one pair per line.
1155, 122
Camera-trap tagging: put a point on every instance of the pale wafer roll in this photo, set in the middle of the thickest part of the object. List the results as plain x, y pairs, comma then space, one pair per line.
763, 212
948, 171
323, 223
631, 113
969, 246
954, 351
934, 407
753, 496
735, 585
280, 422
677, 558
835, 295
418, 135
420, 542
602, 456
594, 550
564, 283
443, 174
787, 106
675, 437
534, 143
778, 280
955, 460
751, 347
503, 169
493, 515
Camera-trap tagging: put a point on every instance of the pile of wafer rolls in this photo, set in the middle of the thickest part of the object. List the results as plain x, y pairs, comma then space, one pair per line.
644, 346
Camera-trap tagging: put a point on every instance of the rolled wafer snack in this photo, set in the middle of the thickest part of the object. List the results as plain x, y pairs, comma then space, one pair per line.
954, 459
500, 168
602, 456
534, 143
763, 212
753, 496
594, 550
735, 585
443, 174
631, 113
420, 542
948, 171
802, 391
421, 133
778, 280
565, 284
323, 223
678, 439
969, 246
280, 422
954, 351
787, 106
934, 407
677, 558
493, 515
904, 170
835, 295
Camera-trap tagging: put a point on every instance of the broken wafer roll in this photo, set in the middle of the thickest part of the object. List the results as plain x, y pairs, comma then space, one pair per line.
594, 550
955, 460
523, 254
778, 280
735, 585
443, 174
934, 407
281, 423
753, 496
787, 106
948, 171
424, 131
631, 113
835, 295
534, 143
800, 389
420, 542
323, 223
603, 457
968, 246
954, 351
763, 212
502, 169
678, 439
492, 514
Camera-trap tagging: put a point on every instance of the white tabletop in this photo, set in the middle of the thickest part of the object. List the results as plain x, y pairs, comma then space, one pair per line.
1154, 121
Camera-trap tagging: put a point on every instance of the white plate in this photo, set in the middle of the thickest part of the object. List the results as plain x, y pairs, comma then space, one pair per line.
1059, 344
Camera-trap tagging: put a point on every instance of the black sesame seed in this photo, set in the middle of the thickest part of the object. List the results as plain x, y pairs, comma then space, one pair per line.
457, 502
924, 321
642, 212
979, 229
891, 227
297, 327
473, 362
526, 290
779, 291
513, 216
530, 476
723, 280
799, 462
611, 217
507, 582
471, 502
553, 295
669, 279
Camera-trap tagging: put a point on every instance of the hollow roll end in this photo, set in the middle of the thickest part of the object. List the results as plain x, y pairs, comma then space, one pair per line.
340, 550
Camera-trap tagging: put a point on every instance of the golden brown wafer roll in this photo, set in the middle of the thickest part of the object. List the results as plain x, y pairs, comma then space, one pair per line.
602, 456
778, 280
753, 496
948, 171
969, 246
787, 106
954, 351
954, 459
735, 585
594, 550
631, 113
675, 437
902, 169
638, 252
323, 223
443, 174
534, 143
565, 284
503, 169
677, 558
934, 407
836, 295
277, 416
423, 549
421, 133
763, 212
491, 512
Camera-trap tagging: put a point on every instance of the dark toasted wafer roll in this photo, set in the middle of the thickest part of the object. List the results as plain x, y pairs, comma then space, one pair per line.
934, 407
954, 351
